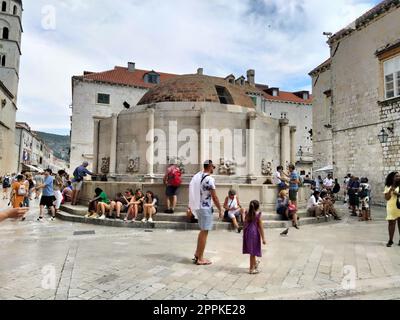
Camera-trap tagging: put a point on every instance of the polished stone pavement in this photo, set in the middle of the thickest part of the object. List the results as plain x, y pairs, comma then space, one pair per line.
64, 260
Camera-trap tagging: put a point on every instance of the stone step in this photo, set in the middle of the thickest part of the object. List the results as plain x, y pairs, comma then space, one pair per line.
177, 225
176, 217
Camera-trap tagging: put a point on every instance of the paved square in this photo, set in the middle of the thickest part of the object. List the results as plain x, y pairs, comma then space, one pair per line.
62, 260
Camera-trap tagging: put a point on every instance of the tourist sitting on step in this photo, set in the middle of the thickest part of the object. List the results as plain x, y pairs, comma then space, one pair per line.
328, 203
135, 206
67, 193
286, 209
234, 212
315, 206
150, 205
120, 204
99, 204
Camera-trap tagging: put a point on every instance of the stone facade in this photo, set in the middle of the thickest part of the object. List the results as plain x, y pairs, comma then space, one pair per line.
238, 139
10, 51
86, 110
359, 108
129, 85
300, 116
32, 154
7, 125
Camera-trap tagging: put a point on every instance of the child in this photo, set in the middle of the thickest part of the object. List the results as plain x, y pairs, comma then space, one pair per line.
253, 234
149, 207
135, 206
364, 194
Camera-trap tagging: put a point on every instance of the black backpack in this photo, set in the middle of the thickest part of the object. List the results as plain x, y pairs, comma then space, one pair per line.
6, 182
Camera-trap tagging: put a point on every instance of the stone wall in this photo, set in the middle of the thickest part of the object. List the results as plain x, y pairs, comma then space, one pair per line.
85, 110
357, 115
322, 134
8, 159
175, 122
299, 115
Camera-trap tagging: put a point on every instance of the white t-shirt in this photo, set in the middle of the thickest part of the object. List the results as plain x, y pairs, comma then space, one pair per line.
277, 178
207, 186
232, 204
328, 183
194, 192
313, 203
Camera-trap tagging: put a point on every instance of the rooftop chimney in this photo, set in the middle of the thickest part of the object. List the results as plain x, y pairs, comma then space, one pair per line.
200, 71
131, 66
251, 77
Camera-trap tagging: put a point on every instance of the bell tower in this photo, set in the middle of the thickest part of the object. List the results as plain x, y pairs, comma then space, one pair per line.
10, 43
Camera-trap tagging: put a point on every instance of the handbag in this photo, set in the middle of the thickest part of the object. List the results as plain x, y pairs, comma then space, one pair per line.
398, 202
226, 214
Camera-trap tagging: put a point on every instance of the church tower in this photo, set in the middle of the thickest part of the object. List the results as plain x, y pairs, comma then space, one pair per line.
10, 43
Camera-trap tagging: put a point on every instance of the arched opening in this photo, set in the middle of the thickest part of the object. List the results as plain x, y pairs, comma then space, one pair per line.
3, 61
15, 10
5, 33
4, 6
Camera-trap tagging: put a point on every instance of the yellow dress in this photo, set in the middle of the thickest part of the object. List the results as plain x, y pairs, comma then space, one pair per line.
393, 213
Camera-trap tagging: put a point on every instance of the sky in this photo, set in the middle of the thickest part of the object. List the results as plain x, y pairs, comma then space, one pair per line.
281, 39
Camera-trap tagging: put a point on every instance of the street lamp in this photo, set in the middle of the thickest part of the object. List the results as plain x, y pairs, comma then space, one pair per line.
383, 136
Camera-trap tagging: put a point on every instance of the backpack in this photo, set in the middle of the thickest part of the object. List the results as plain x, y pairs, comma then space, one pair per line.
21, 190
363, 193
174, 177
6, 182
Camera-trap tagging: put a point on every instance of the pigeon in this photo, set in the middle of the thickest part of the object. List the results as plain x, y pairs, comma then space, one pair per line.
285, 233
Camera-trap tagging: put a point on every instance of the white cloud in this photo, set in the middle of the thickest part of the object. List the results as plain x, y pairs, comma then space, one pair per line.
281, 39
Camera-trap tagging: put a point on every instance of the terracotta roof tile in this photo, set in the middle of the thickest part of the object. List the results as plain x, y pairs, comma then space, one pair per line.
121, 75
285, 96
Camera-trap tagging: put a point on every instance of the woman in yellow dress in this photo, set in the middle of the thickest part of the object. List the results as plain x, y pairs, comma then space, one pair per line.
392, 192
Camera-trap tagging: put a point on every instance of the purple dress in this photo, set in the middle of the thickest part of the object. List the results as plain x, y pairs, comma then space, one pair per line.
252, 238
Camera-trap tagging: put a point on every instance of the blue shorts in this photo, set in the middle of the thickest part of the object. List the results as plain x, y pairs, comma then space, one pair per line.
206, 219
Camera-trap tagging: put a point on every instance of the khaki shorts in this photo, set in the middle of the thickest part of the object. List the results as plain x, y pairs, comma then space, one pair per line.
77, 186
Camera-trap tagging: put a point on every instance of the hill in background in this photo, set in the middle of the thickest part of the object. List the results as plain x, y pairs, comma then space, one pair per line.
59, 144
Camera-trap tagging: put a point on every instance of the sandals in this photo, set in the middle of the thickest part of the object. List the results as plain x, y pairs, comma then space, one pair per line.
255, 271
195, 260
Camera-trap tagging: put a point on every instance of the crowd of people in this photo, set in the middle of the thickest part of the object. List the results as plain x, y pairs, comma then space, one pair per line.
51, 189
55, 189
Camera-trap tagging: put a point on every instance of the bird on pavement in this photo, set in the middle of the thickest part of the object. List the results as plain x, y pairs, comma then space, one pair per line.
285, 233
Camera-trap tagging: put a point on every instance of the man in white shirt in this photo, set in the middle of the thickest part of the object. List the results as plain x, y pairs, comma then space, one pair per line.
329, 183
202, 195
280, 179
314, 205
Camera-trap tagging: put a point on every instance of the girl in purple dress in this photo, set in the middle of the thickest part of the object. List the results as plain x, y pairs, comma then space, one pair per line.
253, 234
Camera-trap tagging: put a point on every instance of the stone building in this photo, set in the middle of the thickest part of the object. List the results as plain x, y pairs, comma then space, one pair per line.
10, 52
297, 108
356, 93
97, 96
32, 153
188, 119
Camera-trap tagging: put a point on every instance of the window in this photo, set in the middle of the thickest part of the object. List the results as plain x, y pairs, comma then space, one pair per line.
103, 98
15, 10
3, 60
392, 77
4, 6
152, 77
254, 100
5, 33
224, 95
